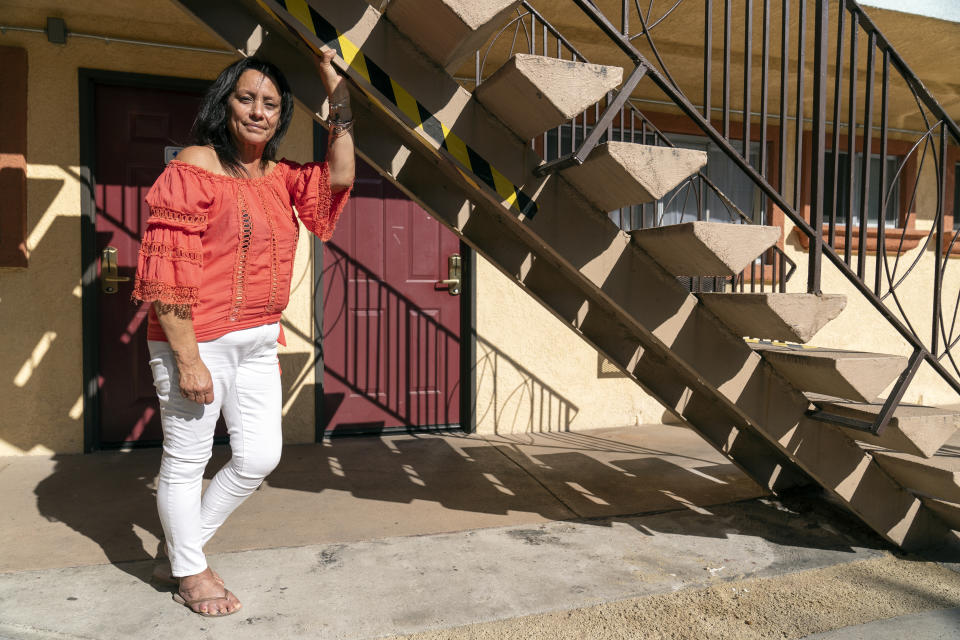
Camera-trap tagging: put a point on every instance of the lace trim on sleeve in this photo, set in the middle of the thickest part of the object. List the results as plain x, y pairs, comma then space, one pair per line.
171, 252
150, 290
172, 215
324, 202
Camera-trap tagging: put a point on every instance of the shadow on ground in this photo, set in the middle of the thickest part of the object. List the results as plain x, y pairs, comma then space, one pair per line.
445, 483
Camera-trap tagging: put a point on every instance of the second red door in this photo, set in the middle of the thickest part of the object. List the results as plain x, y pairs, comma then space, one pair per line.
391, 328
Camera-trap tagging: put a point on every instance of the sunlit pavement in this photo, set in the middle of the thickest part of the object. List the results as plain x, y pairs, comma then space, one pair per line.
372, 537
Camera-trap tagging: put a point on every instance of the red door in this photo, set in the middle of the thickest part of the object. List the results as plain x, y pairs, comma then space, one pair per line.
391, 331
133, 127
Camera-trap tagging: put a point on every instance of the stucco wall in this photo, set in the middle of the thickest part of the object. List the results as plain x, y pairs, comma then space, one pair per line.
534, 374
40, 306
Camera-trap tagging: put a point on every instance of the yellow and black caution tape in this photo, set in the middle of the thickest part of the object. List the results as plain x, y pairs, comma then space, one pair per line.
424, 122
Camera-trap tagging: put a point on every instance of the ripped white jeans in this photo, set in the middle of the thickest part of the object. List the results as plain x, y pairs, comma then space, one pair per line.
246, 388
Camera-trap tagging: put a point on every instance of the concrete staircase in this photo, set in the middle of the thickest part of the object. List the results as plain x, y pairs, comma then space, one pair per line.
466, 158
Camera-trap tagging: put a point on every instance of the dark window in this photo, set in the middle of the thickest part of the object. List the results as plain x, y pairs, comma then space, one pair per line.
892, 190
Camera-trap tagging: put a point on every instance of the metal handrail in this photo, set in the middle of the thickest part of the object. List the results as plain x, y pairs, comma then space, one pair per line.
596, 124
936, 119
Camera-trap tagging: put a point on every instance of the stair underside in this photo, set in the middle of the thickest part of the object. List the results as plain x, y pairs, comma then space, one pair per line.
589, 275
852, 375
790, 317
449, 31
551, 91
913, 429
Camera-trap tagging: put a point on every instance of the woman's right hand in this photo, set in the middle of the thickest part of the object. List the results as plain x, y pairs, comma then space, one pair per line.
196, 384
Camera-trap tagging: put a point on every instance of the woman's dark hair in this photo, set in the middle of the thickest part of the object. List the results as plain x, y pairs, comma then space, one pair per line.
210, 125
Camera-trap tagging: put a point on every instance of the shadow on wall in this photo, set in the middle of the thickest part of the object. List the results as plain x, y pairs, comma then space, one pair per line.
381, 346
40, 311
511, 399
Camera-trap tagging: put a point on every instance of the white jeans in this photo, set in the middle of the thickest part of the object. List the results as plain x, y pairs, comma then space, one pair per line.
246, 388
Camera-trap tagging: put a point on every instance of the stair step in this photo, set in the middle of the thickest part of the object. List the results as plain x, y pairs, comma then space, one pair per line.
937, 477
851, 375
532, 94
791, 317
450, 31
619, 174
949, 512
706, 248
913, 429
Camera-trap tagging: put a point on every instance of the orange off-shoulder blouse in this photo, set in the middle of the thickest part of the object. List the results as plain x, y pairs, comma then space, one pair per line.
225, 246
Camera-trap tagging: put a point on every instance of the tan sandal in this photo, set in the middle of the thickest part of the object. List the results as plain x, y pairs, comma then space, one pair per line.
190, 604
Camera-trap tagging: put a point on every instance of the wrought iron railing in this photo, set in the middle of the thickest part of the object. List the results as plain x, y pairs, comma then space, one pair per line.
861, 219
621, 120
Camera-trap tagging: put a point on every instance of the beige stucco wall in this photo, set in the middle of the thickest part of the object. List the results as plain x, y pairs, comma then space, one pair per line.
534, 374
40, 306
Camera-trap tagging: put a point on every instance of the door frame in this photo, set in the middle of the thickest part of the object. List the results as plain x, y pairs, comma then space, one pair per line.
88, 80
468, 325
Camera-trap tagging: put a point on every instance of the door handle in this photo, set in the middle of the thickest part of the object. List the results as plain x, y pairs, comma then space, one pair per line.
108, 271
453, 275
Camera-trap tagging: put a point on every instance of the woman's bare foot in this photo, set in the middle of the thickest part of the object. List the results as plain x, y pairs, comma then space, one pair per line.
204, 595
163, 573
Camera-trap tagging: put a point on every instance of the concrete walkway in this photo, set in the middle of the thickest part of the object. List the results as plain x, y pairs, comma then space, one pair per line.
584, 535
943, 624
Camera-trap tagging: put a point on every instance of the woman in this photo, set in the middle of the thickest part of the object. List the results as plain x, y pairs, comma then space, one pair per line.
215, 263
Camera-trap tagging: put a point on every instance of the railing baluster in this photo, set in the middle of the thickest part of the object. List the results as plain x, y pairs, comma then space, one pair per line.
784, 94
819, 133
798, 146
747, 73
764, 79
938, 246
727, 19
882, 187
867, 148
652, 205
837, 88
533, 34
708, 55
851, 141
783, 271
763, 268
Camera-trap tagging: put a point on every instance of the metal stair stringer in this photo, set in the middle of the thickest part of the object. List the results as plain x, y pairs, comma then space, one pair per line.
589, 275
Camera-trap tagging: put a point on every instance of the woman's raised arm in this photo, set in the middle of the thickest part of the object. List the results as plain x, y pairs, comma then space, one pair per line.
340, 153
